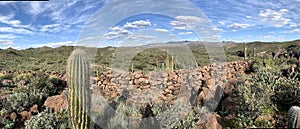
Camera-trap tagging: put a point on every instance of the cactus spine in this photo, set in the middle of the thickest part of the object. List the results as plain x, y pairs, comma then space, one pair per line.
79, 96
294, 117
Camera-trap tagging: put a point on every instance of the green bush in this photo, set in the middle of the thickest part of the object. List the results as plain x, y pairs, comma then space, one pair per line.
43, 120
23, 76
18, 101
287, 93
256, 98
5, 123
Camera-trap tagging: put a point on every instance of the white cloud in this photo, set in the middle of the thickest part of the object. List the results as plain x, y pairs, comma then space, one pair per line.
222, 23
186, 22
269, 38
297, 30
294, 25
15, 30
55, 44
117, 33
248, 17
161, 30
7, 36
141, 37
10, 21
185, 33
274, 18
239, 26
215, 28
6, 42
189, 19
49, 28
125, 31
137, 24
234, 30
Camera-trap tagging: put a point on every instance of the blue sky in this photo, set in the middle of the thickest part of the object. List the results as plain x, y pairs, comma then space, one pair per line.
60, 22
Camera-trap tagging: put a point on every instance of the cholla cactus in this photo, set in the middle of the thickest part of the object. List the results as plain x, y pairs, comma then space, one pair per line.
294, 117
79, 96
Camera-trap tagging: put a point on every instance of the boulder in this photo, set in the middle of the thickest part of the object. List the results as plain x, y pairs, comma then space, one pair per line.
34, 109
25, 115
213, 122
57, 102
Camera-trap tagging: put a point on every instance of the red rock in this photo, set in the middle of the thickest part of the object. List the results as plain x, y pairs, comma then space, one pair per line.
25, 115
34, 109
57, 102
213, 122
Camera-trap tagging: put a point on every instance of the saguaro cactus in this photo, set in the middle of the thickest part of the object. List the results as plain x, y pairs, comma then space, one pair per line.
79, 95
245, 51
294, 117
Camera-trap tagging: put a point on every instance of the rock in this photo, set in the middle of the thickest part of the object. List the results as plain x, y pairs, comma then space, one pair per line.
7, 82
25, 115
23, 82
213, 122
13, 116
264, 119
34, 109
230, 104
57, 102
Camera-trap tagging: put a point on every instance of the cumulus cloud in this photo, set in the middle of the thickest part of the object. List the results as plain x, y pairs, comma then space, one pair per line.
161, 30
294, 25
222, 23
274, 18
215, 28
239, 26
297, 30
137, 24
125, 31
185, 33
186, 22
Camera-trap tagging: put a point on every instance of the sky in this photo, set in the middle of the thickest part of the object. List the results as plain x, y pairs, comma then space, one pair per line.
64, 22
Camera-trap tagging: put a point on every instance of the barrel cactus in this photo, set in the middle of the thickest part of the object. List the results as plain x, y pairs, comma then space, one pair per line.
294, 117
78, 72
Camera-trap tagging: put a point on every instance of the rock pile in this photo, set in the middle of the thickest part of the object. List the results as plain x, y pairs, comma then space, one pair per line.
199, 85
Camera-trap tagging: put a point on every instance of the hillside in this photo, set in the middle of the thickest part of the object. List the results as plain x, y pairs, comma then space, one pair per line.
46, 58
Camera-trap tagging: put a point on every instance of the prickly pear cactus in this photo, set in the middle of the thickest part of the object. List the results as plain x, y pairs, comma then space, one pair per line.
294, 117
79, 96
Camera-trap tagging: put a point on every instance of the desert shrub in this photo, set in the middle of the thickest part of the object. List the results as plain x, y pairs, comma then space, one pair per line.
34, 93
256, 99
23, 76
41, 84
63, 119
43, 120
54, 79
5, 123
18, 101
6, 76
287, 93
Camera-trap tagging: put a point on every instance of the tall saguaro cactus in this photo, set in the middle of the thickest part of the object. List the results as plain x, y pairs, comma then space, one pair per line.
294, 117
78, 72
245, 51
